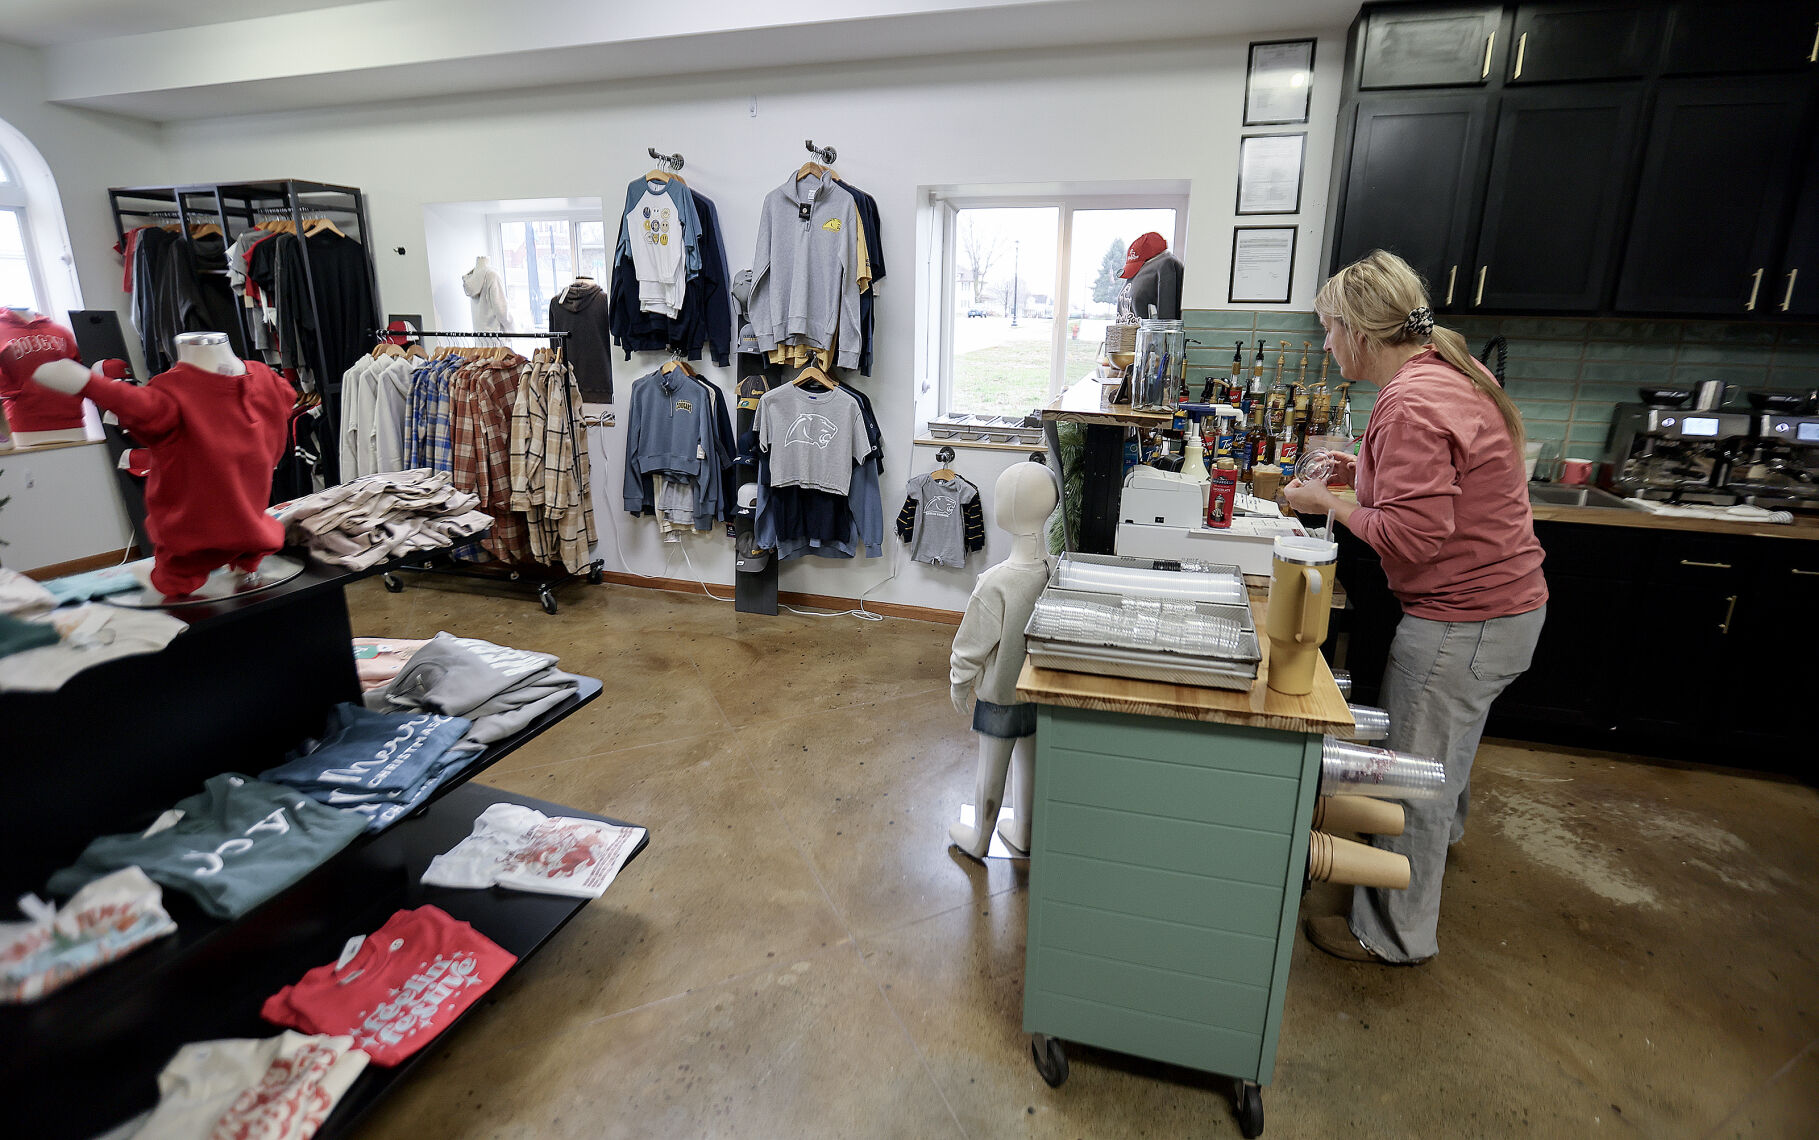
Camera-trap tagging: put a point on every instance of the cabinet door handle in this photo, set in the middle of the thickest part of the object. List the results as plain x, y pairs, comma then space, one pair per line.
1755, 288
1521, 50
1479, 298
1706, 565
1730, 611
1813, 56
1452, 275
1804, 573
1492, 39
1787, 298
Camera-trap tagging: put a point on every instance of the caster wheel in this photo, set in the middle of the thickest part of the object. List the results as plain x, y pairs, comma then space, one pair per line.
595, 575
548, 601
1051, 1059
392, 582
1249, 1103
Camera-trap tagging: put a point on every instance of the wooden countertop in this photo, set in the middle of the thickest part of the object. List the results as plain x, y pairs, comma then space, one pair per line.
1084, 403
1803, 527
1322, 710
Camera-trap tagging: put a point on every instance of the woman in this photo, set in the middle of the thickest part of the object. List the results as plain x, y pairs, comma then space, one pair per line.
1443, 500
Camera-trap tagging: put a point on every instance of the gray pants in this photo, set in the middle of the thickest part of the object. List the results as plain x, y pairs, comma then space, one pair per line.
1438, 688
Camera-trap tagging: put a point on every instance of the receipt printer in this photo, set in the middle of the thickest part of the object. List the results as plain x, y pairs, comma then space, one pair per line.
1162, 498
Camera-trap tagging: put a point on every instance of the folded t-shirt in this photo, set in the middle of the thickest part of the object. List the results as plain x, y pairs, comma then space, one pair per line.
521, 848
233, 845
276, 1088
366, 755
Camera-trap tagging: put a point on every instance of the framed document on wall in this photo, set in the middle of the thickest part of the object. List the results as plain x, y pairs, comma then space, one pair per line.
1269, 173
1263, 265
1279, 82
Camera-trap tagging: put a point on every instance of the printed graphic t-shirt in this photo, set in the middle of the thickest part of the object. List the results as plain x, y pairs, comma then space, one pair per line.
278, 1088
940, 537
232, 846
814, 438
521, 848
405, 984
654, 227
24, 346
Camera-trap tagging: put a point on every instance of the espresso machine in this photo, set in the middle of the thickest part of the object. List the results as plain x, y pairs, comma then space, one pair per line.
1769, 456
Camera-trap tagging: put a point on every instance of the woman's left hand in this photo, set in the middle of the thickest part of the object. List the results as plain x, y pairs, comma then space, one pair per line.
1310, 498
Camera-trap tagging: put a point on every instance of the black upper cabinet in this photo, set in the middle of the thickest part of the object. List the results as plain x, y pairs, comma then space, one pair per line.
1712, 197
1555, 198
1413, 184
1720, 39
1451, 47
1796, 285
1564, 42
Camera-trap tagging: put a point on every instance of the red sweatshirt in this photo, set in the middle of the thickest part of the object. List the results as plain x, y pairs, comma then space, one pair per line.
214, 441
24, 345
1443, 500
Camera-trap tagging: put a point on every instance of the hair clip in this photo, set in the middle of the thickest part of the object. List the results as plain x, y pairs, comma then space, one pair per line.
1420, 321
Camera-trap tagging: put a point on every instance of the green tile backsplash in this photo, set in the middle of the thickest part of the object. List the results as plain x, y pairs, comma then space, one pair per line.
1566, 374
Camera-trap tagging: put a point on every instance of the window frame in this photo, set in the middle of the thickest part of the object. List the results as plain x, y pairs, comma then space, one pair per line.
948, 209
13, 200
495, 242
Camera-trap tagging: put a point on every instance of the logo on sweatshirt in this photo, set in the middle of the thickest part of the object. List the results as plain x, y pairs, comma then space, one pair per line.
685, 406
815, 430
20, 347
831, 224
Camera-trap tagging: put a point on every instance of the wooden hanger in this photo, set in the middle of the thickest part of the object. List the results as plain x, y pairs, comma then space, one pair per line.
944, 474
314, 226
664, 176
814, 372
204, 229
811, 167
674, 363
415, 350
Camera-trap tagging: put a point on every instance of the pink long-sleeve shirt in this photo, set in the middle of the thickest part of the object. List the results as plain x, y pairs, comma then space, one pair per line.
1443, 499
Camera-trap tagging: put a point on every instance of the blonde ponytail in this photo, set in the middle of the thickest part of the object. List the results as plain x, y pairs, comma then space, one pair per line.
1376, 297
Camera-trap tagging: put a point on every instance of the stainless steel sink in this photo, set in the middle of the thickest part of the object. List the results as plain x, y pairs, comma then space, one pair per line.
1561, 495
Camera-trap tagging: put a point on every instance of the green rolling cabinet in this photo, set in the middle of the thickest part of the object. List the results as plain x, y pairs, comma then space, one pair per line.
1166, 870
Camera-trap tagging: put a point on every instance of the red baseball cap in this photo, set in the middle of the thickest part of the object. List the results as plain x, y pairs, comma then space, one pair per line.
1144, 248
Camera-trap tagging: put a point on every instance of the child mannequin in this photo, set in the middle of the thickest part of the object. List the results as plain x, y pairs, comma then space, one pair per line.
214, 427
988, 655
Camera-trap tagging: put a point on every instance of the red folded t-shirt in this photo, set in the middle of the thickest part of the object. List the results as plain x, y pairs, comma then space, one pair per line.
403, 986
24, 346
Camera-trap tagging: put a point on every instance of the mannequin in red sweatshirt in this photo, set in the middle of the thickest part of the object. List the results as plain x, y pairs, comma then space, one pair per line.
214, 426
36, 415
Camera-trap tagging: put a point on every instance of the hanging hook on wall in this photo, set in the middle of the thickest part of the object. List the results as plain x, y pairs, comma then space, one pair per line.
669, 162
944, 456
825, 154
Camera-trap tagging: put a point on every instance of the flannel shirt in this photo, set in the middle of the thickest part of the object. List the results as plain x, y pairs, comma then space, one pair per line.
550, 477
481, 415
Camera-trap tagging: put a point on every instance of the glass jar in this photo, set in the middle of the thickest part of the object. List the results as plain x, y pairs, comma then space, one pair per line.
1161, 364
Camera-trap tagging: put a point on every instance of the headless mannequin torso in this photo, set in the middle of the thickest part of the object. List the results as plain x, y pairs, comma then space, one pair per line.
989, 638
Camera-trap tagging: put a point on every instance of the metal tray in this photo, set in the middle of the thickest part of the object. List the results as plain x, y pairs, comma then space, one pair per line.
1217, 583
1195, 634
1140, 667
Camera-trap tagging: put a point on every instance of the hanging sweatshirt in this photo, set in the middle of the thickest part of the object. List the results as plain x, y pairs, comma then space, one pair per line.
25, 345
486, 298
805, 285
941, 520
581, 311
214, 441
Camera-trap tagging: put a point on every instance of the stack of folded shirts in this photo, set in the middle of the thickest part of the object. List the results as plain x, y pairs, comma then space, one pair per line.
499, 688
279, 1088
395, 989
232, 846
378, 659
42, 651
111, 917
379, 765
362, 523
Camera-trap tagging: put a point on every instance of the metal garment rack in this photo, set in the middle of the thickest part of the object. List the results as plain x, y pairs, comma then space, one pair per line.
594, 571
237, 207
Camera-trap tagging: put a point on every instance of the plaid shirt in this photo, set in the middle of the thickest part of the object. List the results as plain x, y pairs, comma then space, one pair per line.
481, 417
550, 467
427, 411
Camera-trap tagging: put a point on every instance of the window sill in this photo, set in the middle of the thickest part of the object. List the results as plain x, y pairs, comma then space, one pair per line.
977, 445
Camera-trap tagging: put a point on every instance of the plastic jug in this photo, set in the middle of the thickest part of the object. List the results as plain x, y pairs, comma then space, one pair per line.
1300, 606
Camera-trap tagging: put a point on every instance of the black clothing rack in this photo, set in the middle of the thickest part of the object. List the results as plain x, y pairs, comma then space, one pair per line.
237, 207
594, 572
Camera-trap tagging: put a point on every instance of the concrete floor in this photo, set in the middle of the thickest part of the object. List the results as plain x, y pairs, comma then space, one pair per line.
1626, 949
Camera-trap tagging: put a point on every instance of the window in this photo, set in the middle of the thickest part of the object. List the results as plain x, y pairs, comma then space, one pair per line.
1028, 287
18, 275
538, 255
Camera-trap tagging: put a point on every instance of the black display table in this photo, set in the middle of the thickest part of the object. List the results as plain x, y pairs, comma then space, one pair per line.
122, 742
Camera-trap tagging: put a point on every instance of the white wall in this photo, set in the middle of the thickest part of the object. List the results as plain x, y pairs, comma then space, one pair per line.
1167, 112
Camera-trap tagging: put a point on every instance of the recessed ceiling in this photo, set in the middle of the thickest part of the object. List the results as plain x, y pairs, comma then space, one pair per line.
40, 22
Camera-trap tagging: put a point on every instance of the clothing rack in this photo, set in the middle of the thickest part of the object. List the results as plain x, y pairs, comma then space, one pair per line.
667, 162
238, 206
545, 587
826, 155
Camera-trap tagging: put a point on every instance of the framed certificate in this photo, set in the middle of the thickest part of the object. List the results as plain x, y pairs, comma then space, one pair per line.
1263, 265
1269, 173
1279, 82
